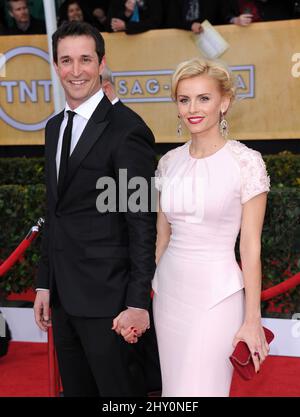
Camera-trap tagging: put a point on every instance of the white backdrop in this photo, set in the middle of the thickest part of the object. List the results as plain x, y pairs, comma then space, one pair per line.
286, 342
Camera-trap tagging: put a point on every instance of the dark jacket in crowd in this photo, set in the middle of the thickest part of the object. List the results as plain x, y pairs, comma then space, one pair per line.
36, 27
175, 13
150, 14
267, 10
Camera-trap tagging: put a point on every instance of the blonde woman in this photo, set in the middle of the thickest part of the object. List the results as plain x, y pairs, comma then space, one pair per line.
210, 189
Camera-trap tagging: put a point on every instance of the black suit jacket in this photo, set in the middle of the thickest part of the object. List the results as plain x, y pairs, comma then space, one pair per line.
36, 27
98, 262
174, 13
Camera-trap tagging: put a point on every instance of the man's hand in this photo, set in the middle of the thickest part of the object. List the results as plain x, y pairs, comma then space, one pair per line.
41, 309
196, 27
243, 19
131, 323
118, 25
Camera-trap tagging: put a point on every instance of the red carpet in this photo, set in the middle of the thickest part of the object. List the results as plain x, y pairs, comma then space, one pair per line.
24, 373
24, 370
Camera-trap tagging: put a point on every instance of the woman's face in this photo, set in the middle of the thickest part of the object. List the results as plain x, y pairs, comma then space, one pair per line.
129, 5
75, 13
200, 103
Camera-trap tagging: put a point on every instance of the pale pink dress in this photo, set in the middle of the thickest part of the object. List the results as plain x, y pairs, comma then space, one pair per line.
198, 285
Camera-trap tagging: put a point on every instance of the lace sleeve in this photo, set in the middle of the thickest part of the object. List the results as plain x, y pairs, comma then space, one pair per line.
255, 179
159, 174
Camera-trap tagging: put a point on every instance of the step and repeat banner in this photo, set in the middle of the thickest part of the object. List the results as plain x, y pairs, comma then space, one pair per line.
265, 58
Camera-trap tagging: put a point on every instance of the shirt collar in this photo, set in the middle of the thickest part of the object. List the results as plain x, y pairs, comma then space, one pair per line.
87, 108
115, 100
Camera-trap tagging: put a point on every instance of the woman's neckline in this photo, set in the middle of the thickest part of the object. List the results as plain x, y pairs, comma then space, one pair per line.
208, 156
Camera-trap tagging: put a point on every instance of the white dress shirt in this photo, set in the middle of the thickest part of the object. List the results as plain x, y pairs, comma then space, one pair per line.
82, 116
115, 100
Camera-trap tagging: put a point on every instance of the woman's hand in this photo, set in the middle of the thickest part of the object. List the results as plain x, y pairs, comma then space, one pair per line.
131, 334
253, 334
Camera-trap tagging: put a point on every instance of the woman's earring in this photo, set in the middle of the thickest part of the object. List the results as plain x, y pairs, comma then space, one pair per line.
224, 126
179, 127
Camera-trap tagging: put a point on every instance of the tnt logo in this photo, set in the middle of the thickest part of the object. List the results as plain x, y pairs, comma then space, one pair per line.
25, 94
2, 326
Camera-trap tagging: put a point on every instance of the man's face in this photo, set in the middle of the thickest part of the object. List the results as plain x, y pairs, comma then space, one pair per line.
78, 68
19, 11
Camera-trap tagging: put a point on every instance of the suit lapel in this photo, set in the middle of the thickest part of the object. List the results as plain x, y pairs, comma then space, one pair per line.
89, 137
52, 142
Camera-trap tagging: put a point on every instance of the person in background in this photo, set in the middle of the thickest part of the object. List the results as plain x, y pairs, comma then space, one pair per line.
3, 28
23, 22
188, 14
134, 16
108, 85
245, 12
74, 10
98, 8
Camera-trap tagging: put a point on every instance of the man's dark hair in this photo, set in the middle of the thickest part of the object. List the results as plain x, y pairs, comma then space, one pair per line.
78, 29
9, 3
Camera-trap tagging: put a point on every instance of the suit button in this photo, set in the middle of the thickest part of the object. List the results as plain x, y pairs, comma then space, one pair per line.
58, 214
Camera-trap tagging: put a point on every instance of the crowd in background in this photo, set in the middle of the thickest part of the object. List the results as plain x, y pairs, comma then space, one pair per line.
137, 16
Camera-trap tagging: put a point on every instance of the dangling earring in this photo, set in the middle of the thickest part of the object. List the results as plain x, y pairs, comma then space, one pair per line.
223, 126
179, 127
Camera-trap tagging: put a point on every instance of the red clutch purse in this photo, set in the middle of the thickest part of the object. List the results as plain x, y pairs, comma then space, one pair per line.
241, 358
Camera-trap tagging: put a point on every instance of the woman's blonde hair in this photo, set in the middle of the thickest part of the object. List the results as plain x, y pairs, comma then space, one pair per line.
200, 66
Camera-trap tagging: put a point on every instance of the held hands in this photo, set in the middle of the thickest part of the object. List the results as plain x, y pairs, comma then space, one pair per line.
131, 324
41, 309
252, 333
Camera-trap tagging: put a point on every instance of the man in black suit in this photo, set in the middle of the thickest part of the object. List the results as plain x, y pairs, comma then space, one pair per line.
97, 263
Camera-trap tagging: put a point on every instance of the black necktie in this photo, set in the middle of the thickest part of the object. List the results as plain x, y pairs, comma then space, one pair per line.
65, 152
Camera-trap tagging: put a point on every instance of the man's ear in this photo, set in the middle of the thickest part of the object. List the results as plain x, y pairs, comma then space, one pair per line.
102, 65
55, 67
